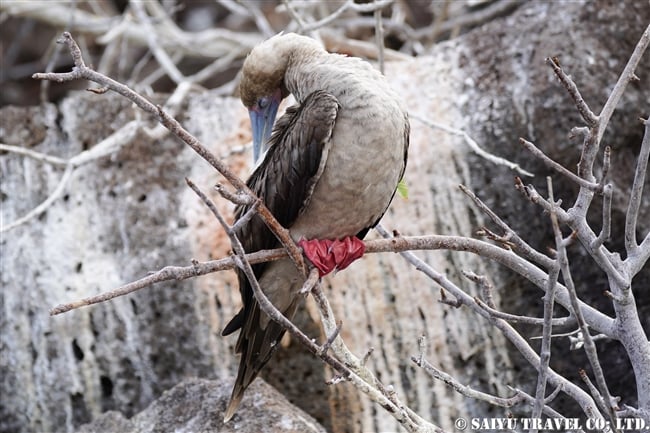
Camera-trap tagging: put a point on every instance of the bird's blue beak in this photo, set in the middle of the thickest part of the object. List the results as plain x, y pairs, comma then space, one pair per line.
262, 117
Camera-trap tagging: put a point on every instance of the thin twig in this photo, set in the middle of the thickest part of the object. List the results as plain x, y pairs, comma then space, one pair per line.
237, 198
626, 76
58, 192
348, 5
606, 230
328, 343
379, 37
548, 411
472, 144
518, 397
515, 263
547, 328
347, 357
105, 147
598, 398
81, 71
557, 167
38, 156
465, 390
513, 318
510, 235
587, 237
310, 282
484, 284
637, 192
587, 115
168, 273
590, 347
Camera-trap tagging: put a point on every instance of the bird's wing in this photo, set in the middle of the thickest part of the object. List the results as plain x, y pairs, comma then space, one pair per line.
284, 181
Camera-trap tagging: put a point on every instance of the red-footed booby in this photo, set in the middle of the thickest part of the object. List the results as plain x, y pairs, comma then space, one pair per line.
331, 169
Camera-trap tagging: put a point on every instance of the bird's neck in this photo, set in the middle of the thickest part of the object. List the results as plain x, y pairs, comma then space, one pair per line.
346, 78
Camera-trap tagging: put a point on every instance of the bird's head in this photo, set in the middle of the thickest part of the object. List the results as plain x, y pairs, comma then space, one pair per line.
262, 89
262, 86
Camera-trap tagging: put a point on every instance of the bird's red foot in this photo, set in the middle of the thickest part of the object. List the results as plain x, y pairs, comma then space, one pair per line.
327, 255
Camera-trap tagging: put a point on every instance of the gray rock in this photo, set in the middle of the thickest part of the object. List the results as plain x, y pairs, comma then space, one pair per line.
197, 405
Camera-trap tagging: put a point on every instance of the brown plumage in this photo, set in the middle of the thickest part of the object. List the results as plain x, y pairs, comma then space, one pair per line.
331, 169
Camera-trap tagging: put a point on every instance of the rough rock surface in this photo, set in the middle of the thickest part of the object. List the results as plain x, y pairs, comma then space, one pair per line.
197, 405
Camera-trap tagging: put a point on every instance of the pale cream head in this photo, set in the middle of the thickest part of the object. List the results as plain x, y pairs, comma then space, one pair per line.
265, 67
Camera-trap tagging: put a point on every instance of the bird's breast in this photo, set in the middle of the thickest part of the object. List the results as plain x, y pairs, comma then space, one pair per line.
363, 166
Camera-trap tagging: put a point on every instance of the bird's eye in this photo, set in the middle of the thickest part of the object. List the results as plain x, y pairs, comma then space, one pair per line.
262, 103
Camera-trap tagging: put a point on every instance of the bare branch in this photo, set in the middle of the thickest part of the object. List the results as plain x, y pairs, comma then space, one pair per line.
379, 37
598, 398
606, 230
105, 147
237, 198
578, 223
510, 235
159, 53
348, 5
548, 411
398, 410
556, 166
38, 156
547, 329
210, 43
328, 343
637, 192
472, 144
587, 115
176, 273
597, 320
465, 390
58, 192
81, 71
590, 347
626, 76
513, 318
310, 282
486, 287
518, 397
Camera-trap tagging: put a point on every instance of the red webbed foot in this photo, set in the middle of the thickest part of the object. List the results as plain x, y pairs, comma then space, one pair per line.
328, 255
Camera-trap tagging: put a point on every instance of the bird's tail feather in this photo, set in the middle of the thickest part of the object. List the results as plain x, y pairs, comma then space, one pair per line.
256, 345
235, 400
259, 337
